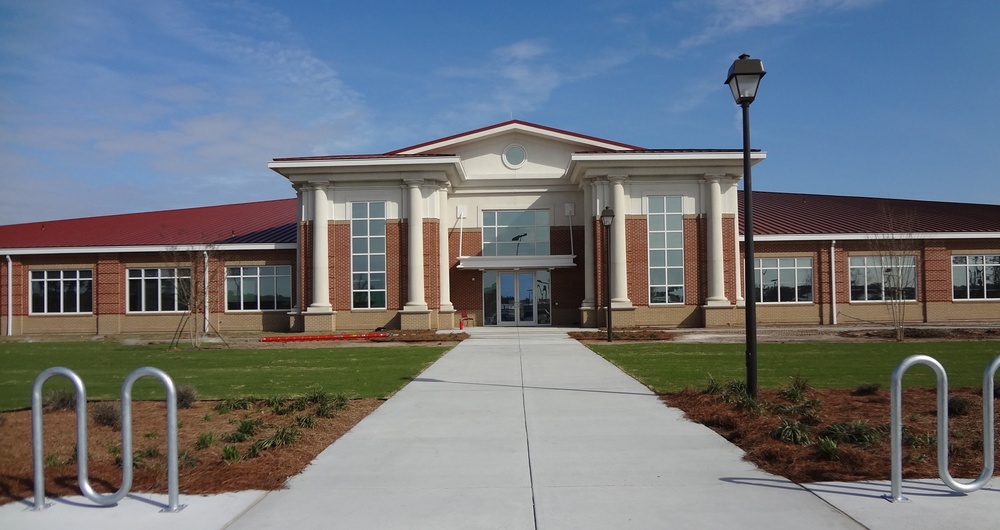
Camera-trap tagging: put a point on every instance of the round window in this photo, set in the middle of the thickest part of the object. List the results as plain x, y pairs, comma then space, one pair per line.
514, 156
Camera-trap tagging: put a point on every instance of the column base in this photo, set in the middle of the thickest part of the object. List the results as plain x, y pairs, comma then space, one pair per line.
720, 316
313, 322
718, 302
410, 319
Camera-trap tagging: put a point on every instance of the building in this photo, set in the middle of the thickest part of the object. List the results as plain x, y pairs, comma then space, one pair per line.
501, 226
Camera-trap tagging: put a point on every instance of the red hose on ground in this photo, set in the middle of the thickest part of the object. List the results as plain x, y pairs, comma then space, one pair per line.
339, 336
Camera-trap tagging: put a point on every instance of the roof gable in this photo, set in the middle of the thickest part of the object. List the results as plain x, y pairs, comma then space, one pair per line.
450, 144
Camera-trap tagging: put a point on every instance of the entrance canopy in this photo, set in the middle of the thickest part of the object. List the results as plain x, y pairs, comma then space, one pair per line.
516, 262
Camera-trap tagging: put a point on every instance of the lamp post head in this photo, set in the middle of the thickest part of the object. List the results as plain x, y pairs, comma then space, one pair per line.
607, 216
744, 78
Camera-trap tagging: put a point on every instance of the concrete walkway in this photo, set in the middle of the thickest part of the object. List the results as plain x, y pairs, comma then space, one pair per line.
527, 429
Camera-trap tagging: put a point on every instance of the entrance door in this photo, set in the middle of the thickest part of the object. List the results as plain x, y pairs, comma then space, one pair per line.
516, 298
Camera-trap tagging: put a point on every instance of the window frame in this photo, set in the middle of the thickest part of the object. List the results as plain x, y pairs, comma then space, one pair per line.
875, 262
369, 245
144, 298
795, 269
80, 278
989, 265
671, 209
259, 274
532, 238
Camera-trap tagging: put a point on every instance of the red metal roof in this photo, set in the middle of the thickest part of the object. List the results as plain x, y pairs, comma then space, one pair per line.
800, 213
252, 222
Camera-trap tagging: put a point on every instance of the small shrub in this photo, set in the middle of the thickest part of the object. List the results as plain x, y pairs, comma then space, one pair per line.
791, 431
186, 396
254, 449
230, 454
795, 392
958, 406
859, 433
305, 421
283, 436
340, 401
207, 417
205, 440
713, 386
108, 414
60, 399
274, 401
323, 410
53, 461
228, 405
319, 397
186, 459
299, 404
915, 439
826, 448
244, 431
867, 389
733, 390
151, 435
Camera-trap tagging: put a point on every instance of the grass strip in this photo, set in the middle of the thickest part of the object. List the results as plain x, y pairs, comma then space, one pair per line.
669, 367
365, 371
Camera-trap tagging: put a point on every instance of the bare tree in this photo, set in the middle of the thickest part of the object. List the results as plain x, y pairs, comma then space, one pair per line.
895, 252
192, 294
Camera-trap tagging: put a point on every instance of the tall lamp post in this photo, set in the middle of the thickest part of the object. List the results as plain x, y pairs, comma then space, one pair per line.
607, 217
744, 78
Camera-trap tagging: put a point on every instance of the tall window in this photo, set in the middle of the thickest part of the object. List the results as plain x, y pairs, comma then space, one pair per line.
665, 222
784, 279
368, 283
62, 291
975, 277
159, 290
883, 278
516, 233
259, 288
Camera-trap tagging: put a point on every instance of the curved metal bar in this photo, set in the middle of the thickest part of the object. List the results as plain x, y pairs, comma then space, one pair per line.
942, 426
37, 438
173, 489
896, 414
988, 447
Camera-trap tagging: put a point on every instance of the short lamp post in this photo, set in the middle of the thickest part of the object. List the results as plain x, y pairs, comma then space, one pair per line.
607, 217
744, 78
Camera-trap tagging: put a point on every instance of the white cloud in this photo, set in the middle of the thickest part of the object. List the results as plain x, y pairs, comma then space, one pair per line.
170, 102
728, 16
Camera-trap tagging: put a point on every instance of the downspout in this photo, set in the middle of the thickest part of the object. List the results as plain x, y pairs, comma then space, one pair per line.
205, 324
10, 296
833, 282
461, 225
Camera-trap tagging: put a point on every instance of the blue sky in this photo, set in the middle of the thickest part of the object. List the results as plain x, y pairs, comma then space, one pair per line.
116, 106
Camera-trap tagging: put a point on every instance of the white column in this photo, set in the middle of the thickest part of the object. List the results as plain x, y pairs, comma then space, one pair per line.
297, 267
415, 256
619, 259
588, 245
321, 251
716, 271
443, 251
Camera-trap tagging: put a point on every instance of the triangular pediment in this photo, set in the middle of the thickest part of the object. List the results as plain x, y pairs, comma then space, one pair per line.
515, 149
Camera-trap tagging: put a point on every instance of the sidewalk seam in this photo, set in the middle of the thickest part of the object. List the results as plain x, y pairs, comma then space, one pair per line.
527, 438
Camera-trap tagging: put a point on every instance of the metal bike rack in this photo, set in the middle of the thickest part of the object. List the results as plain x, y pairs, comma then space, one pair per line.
896, 415
37, 439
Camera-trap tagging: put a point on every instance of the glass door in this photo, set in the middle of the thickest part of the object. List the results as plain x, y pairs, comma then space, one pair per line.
516, 298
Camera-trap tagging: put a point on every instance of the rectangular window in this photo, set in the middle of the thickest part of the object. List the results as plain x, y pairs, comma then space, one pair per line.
783, 279
975, 277
516, 233
159, 290
883, 278
368, 274
62, 291
665, 230
253, 288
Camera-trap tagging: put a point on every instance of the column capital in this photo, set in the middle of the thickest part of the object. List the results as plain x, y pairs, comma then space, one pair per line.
710, 177
618, 177
413, 182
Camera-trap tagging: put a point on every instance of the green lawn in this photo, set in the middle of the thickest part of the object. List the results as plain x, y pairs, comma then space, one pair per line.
667, 367
375, 371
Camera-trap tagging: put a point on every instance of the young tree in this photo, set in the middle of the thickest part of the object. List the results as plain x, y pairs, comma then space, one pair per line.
193, 293
895, 251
